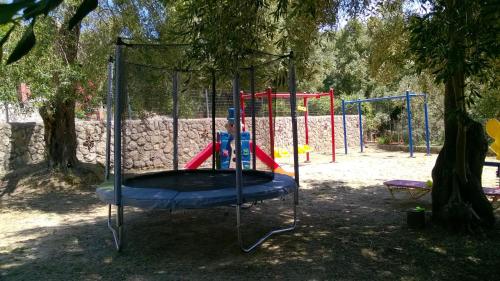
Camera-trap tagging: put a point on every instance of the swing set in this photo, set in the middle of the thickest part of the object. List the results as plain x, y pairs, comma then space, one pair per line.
407, 97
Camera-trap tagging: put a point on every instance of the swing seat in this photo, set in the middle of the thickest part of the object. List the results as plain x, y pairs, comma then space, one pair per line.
492, 192
415, 189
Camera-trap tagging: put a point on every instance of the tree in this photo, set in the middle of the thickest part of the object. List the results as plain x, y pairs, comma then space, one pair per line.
58, 112
463, 46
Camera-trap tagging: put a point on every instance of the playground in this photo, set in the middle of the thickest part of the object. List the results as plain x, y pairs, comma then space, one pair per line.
349, 229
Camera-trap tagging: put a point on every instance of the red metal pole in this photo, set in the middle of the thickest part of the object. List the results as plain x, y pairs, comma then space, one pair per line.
271, 127
332, 121
242, 106
306, 118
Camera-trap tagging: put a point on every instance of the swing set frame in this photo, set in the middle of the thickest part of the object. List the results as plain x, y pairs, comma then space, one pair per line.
407, 96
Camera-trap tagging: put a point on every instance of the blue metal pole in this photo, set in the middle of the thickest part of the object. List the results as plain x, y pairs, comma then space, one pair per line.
118, 123
360, 126
410, 130
344, 125
427, 135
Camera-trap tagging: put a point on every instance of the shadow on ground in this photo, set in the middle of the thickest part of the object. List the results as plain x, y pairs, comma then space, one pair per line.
343, 234
34, 187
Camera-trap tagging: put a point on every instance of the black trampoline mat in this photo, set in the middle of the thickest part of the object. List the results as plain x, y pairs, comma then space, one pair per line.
197, 180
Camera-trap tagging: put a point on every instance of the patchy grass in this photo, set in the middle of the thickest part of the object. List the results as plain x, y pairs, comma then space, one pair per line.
52, 227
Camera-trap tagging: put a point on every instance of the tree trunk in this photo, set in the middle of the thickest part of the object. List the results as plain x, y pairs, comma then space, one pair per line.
458, 199
58, 113
60, 136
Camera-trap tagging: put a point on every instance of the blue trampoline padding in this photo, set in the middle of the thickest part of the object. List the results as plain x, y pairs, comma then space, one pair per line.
165, 198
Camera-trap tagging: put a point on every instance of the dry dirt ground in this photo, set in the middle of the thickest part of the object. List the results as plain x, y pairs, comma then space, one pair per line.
52, 227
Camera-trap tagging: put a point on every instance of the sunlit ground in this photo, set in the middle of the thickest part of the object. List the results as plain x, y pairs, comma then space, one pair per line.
349, 229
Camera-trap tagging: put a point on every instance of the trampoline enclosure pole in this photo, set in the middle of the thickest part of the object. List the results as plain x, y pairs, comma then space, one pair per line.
293, 113
175, 120
360, 127
214, 140
117, 184
344, 126
410, 131
254, 138
118, 124
427, 136
109, 106
237, 137
237, 144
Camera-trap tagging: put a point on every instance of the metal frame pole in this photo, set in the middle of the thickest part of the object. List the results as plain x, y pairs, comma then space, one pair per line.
175, 119
344, 126
117, 230
109, 106
332, 121
214, 137
237, 144
293, 113
254, 134
360, 127
410, 130
427, 135
306, 120
293, 106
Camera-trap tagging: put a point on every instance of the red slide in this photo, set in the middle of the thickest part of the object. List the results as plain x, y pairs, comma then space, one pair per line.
201, 157
259, 153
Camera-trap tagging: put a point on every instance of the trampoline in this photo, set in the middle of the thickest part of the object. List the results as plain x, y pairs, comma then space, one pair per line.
195, 189
149, 92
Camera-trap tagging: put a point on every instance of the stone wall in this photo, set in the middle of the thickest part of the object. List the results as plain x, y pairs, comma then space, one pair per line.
148, 143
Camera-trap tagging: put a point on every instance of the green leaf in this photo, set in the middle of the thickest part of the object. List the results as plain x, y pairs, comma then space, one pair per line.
6, 37
8, 11
83, 10
24, 45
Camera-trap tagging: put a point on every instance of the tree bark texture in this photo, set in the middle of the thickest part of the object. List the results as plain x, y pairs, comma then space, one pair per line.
458, 200
58, 113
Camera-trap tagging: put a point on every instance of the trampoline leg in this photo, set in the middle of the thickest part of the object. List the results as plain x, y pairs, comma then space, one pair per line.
265, 237
117, 230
